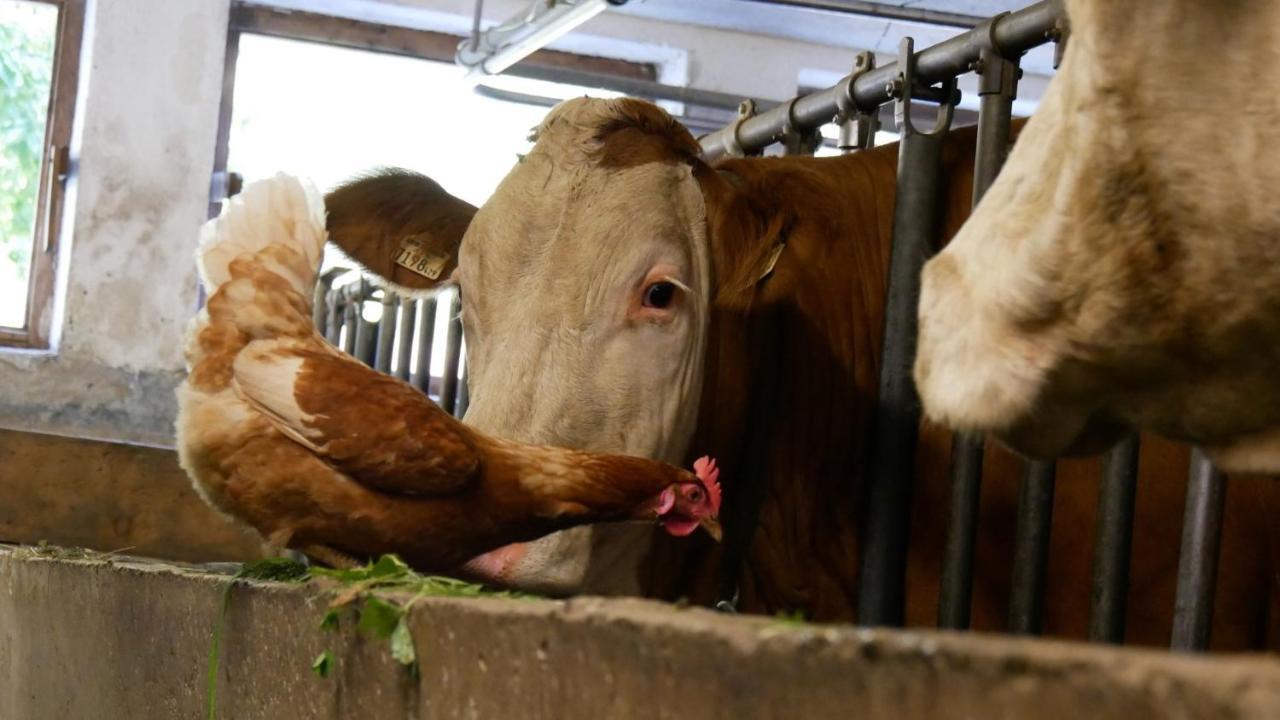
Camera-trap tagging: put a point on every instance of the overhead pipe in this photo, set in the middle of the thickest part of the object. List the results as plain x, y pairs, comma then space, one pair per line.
498, 48
882, 11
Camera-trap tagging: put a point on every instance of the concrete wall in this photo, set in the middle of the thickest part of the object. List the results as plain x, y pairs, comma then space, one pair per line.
95, 639
146, 121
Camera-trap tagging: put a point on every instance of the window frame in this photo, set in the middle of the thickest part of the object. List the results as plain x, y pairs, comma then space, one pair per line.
362, 35
55, 167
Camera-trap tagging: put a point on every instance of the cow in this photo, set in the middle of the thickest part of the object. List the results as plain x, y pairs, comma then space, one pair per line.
1124, 269
620, 294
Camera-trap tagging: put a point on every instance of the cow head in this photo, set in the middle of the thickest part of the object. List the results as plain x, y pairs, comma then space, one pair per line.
1114, 276
585, 283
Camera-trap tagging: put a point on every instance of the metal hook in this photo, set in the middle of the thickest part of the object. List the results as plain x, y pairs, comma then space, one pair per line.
901, 88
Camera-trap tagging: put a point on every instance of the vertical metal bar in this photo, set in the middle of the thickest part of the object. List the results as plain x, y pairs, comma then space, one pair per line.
956, 588
464, 394
350, 316
997, 86
320, 303
334, 313
452, 349
406, 324
1113, 540
386, 333
1031, 549
886, 504
1198, 562
420, 375
366, 332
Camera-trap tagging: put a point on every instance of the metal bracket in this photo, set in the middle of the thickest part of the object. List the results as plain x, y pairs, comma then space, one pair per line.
794, 140
997, 74
902, 87
857, 126
732, 144
1059, 34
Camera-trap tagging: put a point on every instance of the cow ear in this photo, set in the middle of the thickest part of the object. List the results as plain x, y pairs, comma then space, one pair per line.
747, 235
400, 225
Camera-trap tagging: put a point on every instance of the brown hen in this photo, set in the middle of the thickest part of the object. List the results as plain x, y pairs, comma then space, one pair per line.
320, 453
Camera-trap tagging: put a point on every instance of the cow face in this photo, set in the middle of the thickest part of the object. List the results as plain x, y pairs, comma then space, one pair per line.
1115, 276
585, 283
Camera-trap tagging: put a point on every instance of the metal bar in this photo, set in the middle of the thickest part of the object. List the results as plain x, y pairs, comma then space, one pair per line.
1198, 562
1014, 33
366, 332
464, 394
1031, 549
636, 87
350, 316
386, 333
452, 350
1113, 541
334, 312
883, 11
997, 86
956, 588
406, 324
891, 468
420, 375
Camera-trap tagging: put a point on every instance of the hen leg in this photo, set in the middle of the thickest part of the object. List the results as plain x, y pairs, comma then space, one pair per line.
332, 558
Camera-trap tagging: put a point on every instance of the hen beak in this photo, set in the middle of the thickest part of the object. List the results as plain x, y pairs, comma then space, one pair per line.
712, 526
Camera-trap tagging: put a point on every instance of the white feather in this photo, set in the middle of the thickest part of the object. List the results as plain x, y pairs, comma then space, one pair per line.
264, 378
281, 210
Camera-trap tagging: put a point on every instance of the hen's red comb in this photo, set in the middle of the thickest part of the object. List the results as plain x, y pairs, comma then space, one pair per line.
706, 470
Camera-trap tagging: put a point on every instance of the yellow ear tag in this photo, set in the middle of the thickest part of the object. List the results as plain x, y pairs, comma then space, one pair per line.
417, 255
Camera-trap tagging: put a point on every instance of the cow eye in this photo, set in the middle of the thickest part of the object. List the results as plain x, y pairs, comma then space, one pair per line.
659, 295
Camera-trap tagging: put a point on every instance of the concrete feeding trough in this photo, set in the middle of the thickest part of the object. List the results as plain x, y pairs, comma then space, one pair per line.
89, 636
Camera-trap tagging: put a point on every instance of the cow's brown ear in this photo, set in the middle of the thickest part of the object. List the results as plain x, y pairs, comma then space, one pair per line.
748, 231
400, 225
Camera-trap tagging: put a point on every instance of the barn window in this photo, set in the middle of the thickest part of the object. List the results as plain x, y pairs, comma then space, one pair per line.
328, 98
39, 54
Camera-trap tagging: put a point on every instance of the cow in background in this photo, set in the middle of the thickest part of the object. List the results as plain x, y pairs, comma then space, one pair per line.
1124, 269
619, 294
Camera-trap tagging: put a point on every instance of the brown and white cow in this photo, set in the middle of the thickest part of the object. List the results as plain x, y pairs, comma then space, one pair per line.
1124, 269
619, 294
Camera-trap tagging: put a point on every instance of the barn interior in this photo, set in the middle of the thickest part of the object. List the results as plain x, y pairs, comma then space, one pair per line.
127, 124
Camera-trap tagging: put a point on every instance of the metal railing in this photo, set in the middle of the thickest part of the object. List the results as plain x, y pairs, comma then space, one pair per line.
402, 338
992, 50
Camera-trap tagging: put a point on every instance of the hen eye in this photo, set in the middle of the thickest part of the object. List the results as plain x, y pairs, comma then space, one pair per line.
659, 295
695, 495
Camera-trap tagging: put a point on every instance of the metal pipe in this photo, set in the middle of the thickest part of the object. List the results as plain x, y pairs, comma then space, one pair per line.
334, 313
997, 87
452, 351
1031, 549
464, 394
1014, 33
882, 11
386, 333
1113, 541
406, 324
420, 376
350, 315
1198, 561
887, 501
956, 588
637, 87
366, 332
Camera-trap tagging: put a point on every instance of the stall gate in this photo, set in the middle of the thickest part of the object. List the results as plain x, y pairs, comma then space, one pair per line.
401, 342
